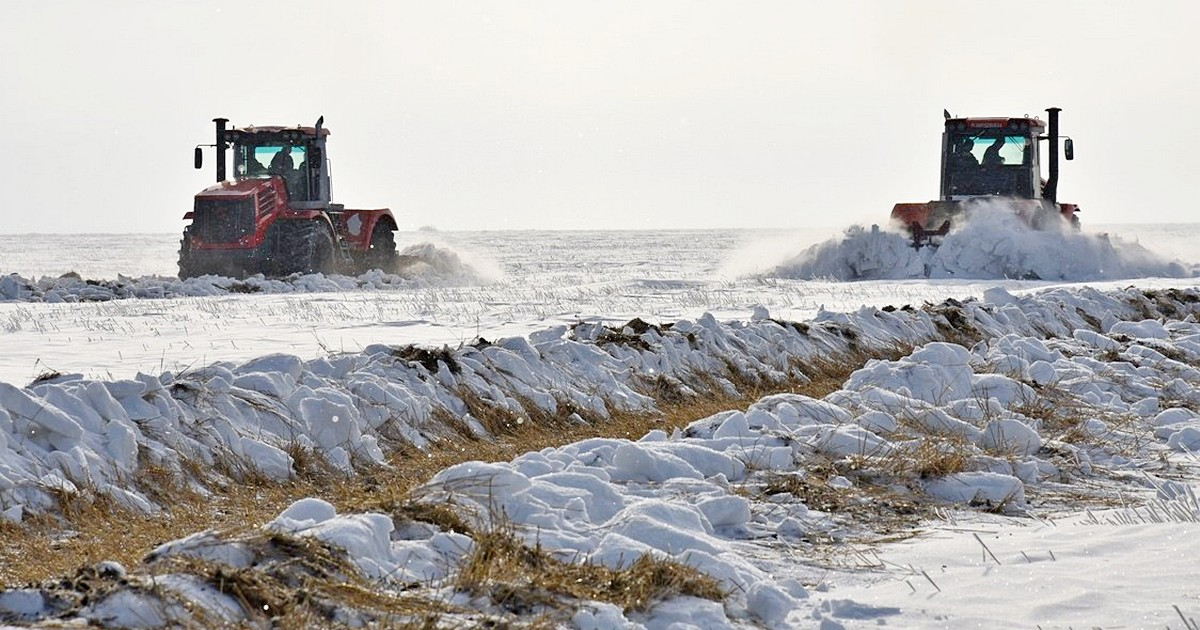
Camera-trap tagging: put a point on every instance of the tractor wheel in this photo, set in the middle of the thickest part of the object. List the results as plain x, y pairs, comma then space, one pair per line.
187, 266
306, 247
382, 254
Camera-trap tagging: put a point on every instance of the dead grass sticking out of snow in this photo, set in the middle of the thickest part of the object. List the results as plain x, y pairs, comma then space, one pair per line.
526, 580
291, 582
95, 530
891, 510
91, 528
954, 325
927, 457
298, 581
1065, 416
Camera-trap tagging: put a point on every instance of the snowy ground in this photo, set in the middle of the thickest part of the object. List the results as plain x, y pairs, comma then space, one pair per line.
505, 284
1061, 396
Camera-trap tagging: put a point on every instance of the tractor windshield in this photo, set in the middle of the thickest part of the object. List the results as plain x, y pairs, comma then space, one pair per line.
258, 161
289, 161
989, 162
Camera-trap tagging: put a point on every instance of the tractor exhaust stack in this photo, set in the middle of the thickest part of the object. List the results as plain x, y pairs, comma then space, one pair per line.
221, 147
1050, 190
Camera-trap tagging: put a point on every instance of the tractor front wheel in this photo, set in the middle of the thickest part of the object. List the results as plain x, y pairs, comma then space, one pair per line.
307, 247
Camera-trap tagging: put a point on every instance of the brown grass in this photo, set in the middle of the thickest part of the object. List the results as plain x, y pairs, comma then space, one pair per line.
1063, 414
527, 580
890, 511
296, 582
927, 457
91, 530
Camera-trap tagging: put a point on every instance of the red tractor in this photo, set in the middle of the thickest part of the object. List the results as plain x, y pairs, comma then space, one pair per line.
274, 216
993, 159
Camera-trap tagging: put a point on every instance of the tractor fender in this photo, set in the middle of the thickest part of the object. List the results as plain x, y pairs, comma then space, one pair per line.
357, 226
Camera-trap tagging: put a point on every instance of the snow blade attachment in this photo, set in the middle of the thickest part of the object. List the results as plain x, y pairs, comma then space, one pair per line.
926, 223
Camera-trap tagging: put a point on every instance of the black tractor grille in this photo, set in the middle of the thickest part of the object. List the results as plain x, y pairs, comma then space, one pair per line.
223, 220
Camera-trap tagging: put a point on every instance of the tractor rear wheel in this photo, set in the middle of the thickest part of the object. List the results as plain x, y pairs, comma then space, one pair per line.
382, 253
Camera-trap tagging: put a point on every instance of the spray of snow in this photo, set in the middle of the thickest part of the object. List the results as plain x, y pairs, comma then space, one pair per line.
444, 260
446, 265
989, 242
759, 255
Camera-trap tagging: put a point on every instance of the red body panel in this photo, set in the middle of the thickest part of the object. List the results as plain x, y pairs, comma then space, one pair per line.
912, 213
269, 196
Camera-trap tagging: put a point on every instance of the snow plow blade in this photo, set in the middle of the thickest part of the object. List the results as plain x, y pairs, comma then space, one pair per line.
926, 223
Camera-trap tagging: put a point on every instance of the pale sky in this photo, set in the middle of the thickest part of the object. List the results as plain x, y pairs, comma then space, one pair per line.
596, 115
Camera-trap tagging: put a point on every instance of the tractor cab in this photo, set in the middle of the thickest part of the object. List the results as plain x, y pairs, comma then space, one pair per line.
294, 154
993, 157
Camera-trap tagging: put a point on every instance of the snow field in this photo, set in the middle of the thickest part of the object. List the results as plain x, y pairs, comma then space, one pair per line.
1043, 392
503, 285
1043, 574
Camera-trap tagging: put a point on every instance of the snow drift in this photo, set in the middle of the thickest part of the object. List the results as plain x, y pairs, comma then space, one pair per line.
1025, 394
990, 242
429, 265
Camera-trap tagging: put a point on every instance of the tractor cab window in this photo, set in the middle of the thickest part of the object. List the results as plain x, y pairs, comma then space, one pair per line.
269, 159
285, 160
989, 162
990, 149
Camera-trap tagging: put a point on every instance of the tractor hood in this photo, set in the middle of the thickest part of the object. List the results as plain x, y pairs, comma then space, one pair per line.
235, 188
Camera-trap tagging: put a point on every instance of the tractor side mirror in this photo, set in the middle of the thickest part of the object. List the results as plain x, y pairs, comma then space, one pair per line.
1068, 149
199, 158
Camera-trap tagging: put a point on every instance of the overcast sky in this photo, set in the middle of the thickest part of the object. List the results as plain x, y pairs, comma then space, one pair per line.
495, 115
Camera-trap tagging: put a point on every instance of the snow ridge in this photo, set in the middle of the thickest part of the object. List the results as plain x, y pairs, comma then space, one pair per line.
431, 265
1123, 358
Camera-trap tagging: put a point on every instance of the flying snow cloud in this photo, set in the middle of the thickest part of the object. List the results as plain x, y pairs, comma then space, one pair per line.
988, 243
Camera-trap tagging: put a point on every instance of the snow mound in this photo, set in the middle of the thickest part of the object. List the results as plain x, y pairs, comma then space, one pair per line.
739, 495
990, 242
422, 265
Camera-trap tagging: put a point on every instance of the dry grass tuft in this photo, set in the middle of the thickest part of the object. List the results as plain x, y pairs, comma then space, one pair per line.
828, 372
953, 324
890, 512
527, 580
927, 457
437, 514
1063, 416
